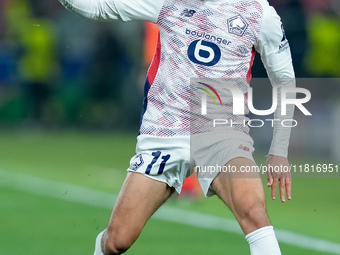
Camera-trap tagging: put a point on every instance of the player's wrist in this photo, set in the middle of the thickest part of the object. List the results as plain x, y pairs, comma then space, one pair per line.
278, 156
280, 153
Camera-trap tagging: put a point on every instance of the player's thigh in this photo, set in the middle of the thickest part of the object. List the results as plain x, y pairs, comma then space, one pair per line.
138, 199
239, 189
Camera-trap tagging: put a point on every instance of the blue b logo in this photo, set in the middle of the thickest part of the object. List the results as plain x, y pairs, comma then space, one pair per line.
204, 53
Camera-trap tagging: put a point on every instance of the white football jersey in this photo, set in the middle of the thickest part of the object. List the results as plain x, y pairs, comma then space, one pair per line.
200, 39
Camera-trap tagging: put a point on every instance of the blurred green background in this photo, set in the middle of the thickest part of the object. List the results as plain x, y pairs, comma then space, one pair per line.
70, 101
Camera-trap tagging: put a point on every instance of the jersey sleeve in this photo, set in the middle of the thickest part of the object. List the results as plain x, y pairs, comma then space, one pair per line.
275, 53
125, 10
273, 46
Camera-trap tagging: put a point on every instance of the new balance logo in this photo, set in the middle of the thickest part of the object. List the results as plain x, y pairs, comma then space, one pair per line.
188, 13
284, 38
245, 148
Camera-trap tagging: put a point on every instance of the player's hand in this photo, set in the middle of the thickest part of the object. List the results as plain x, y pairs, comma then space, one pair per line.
279, 172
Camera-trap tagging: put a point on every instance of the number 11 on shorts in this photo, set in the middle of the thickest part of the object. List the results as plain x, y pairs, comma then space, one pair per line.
156, 156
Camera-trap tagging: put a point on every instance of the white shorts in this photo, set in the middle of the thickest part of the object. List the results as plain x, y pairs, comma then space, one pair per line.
212, 151
172, 159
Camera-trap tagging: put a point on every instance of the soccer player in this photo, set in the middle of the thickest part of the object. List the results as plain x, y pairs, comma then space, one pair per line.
202, 39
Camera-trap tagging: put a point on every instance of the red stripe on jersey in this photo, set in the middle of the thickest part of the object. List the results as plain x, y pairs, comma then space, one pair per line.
251, 65
155, 62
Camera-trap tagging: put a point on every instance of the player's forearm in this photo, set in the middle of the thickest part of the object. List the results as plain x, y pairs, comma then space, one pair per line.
283, 122
281, 134
92, 9
125, 10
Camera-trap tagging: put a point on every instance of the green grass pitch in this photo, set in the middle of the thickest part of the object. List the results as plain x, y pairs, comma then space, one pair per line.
34, 224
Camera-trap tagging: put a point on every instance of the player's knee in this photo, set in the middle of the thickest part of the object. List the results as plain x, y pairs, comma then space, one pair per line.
117, 244
254, 210
254, 213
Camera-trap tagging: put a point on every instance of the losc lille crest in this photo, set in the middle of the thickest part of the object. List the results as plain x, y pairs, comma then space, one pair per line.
237, 25
136, 162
